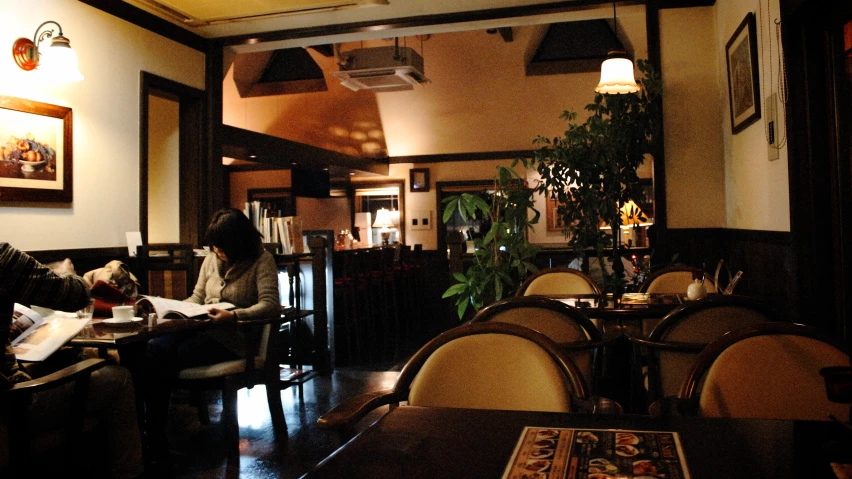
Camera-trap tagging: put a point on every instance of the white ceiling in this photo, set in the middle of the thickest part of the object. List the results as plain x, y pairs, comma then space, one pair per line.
341, 12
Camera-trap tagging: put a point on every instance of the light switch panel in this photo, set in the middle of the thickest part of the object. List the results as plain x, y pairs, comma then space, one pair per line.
421, 220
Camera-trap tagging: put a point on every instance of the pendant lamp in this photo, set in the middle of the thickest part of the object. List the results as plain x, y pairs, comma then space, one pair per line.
617, 69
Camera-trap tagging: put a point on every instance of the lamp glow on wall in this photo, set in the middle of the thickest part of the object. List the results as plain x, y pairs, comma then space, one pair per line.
383, 221
58, 62
617, 69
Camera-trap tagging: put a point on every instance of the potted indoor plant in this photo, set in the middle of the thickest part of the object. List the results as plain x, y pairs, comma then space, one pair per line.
591, 171
503, 257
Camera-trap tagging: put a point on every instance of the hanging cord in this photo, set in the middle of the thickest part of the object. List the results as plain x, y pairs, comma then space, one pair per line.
780, 134
614, 25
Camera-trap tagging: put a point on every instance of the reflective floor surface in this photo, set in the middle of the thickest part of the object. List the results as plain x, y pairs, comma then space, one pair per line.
198, 450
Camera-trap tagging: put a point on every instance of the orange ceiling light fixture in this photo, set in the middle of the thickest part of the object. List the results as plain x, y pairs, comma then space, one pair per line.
617, 69
58, 62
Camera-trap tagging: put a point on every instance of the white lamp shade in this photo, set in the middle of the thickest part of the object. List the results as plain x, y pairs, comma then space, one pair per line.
617, 76
58, 62
383, 219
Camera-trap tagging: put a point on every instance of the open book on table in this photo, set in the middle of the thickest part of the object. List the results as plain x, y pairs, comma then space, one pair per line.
36, 335
176, 309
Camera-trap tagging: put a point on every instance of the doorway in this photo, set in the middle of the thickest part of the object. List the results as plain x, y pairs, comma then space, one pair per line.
170, 161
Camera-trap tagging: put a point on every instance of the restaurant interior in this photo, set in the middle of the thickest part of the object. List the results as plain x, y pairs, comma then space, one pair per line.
182, 108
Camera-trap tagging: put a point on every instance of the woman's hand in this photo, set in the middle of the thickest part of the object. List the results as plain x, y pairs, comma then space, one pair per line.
221, 315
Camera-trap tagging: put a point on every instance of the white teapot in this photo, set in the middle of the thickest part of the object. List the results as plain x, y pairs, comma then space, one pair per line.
696, 290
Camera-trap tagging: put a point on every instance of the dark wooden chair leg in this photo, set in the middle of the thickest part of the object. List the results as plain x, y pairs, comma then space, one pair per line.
276, 409
231, 426
198, 398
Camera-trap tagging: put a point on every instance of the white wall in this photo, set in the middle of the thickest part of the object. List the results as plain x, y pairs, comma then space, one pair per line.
105, 107
757, 189
692, 111
163, 170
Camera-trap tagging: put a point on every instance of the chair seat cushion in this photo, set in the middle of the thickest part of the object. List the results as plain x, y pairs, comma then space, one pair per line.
219, 369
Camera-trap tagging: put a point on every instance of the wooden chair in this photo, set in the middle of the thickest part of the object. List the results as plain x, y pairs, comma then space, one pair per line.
766, 371
674, 280
260, 366
565, 325
166, 269
554, 281
489, 365
672, 347
19, 443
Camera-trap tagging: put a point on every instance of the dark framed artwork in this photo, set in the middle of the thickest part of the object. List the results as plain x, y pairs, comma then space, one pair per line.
419, 181
35, 151
743, 84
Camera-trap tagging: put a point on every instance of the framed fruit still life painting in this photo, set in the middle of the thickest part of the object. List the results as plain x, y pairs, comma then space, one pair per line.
35, 151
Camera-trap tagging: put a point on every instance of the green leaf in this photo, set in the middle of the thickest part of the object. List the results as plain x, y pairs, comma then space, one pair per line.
462, 307
454, 290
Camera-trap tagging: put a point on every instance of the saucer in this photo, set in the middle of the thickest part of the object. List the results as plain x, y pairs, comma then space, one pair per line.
117, 321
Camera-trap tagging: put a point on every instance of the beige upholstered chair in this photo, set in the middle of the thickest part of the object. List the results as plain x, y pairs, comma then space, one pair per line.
673, 345
565, 325
556, 281
674, 280
768, 371
479, 366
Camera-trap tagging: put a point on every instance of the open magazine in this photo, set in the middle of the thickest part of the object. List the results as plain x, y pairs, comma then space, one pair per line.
35, 336
173, 308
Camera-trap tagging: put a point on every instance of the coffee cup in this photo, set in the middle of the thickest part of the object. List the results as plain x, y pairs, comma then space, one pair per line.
122, 313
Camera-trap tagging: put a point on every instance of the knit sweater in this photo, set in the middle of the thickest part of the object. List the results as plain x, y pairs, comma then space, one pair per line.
250, 285
24, 280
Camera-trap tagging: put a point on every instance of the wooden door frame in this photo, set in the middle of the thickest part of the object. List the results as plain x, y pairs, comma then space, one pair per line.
191, 153
819, 165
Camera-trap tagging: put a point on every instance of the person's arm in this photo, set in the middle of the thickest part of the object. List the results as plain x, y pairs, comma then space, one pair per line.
199, 293
29, 282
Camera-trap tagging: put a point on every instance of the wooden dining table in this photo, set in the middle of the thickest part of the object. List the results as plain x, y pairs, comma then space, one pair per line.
130, 341
423, 442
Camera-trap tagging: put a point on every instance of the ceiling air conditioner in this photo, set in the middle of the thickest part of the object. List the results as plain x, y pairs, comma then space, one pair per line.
381, 69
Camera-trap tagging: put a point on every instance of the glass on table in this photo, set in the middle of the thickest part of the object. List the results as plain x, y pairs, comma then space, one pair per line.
86, 312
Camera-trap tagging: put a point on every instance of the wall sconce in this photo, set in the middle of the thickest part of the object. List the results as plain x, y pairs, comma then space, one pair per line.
57, 62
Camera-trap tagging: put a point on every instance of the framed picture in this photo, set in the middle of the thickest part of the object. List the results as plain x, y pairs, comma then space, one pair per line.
554, 221
35, 151
743, 86
419, 180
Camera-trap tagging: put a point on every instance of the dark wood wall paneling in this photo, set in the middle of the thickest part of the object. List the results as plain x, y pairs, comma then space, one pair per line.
765, 257
85, 259
819, 177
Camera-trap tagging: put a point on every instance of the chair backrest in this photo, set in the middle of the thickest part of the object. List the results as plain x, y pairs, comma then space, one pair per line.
554, 281
166, 269
492, 366
693, 326
674, 280
768, 371
563, 324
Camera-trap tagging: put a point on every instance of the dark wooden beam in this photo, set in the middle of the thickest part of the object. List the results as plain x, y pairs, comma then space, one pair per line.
258, 147
148, 21
480, 155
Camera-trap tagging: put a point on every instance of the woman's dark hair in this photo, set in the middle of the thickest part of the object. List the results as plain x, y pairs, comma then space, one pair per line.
231, 231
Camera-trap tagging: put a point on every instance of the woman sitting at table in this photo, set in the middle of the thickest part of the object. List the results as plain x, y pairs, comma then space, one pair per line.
238, 271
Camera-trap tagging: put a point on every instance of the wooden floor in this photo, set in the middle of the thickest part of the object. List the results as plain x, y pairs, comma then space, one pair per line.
198, 450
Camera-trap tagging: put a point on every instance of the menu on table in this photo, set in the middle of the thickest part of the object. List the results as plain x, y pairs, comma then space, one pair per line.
551, 453
645, 299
